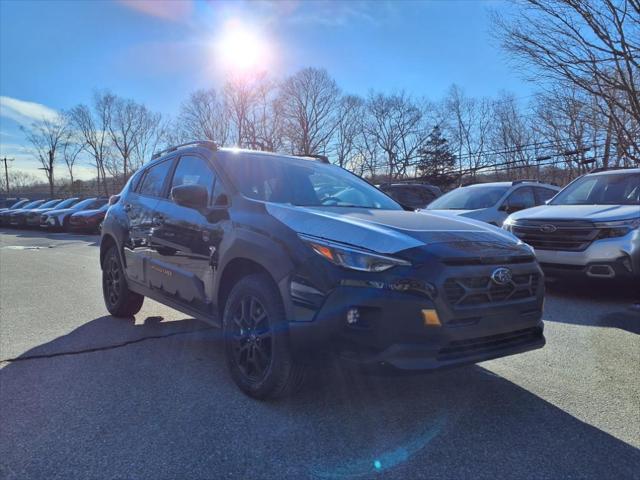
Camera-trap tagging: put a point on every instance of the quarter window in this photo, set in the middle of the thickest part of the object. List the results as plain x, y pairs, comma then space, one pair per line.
153, 181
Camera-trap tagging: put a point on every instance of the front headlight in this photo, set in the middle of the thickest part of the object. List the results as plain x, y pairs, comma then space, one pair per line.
617, 229
507, 224
350, 257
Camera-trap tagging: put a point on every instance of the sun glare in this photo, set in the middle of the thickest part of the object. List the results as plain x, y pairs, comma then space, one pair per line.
242, 48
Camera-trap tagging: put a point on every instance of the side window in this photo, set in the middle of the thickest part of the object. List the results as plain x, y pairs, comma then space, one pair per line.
193, 170
543, 194
522, 197
153, 181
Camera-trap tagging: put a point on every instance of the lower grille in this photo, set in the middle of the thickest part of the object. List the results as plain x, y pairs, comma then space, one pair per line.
474, 291
573, 236
475, 346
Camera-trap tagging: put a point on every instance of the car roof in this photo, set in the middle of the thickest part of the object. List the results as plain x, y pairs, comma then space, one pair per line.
514, 184
617, 171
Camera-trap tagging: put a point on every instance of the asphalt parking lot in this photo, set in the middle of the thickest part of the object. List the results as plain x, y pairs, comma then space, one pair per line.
85, 395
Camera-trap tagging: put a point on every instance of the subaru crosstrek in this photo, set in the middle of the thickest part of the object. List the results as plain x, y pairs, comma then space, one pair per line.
591, 228
292, 256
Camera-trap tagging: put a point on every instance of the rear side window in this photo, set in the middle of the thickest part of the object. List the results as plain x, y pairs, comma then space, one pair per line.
522, 197
193, 170
544, 194
154, 178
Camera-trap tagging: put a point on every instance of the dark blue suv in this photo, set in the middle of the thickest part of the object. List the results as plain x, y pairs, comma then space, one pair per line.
292, 256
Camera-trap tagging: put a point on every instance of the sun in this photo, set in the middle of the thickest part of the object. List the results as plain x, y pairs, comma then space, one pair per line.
242, 48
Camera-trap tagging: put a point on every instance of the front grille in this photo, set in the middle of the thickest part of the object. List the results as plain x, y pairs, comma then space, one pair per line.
573, 236
475, 346
475, 291
43, 218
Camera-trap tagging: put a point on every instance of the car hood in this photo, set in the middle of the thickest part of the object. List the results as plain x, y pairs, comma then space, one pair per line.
455, 213
594, 213
391, 231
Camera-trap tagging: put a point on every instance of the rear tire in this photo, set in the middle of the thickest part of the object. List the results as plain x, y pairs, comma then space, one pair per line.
256, 339
119, 300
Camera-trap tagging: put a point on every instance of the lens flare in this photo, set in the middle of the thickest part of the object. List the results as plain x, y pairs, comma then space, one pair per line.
243, 48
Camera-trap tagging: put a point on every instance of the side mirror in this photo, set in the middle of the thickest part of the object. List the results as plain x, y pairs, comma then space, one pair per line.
512, 207
190, 196
221, 201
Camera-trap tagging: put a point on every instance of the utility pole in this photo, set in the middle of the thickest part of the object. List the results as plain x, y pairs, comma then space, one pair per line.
6, 171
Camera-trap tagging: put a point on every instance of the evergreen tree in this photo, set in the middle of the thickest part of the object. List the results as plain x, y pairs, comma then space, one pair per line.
437, 162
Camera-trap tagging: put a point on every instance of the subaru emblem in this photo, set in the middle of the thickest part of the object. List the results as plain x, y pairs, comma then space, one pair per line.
501, 276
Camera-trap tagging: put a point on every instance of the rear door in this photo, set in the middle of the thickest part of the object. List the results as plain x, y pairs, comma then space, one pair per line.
139, 206
184, 242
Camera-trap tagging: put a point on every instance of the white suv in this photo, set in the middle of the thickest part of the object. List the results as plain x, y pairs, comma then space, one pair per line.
592, 227
493, 202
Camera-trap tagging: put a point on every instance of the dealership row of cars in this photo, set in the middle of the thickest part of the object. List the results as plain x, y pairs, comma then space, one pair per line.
68, 214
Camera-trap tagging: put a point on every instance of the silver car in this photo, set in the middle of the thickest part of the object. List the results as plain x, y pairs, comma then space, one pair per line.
592, 227
493, 202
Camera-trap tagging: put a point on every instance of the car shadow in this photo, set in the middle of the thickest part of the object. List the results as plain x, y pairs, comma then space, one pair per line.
609, 304
93, 240
155, 401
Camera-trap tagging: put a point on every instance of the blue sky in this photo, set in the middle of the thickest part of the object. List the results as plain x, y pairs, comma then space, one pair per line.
53, 54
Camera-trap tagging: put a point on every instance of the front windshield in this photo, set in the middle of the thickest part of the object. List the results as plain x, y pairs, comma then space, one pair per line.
604, 189
469, 198
50, 203
84, 203
33, 204
67, 203
301, 182
19, 203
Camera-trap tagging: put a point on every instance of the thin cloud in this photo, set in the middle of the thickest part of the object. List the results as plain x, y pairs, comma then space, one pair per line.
25, 113
171, 10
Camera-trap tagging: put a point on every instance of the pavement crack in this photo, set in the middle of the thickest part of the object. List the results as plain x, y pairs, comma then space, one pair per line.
103, 348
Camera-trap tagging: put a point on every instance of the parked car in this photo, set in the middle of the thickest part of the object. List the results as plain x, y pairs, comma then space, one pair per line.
32, 219
591, 228
411, 195
58, 218
13, 203
242, 240
6, 217
89, 221
494, 202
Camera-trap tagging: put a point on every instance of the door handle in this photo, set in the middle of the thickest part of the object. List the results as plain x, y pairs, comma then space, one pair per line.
157, 221
127, 207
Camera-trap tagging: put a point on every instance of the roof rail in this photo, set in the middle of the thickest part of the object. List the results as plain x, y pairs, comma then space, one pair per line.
322, 158
524, 180
203, 143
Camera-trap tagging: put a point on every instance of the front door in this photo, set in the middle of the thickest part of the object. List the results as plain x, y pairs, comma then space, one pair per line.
184, 242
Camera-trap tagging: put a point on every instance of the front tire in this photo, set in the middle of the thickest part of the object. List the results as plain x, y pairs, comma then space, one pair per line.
256, 340
119, 300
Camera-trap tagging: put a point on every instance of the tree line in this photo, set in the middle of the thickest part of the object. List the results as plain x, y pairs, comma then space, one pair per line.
584, 54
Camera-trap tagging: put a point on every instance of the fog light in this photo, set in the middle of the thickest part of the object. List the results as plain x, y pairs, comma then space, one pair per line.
430, 317
353, 315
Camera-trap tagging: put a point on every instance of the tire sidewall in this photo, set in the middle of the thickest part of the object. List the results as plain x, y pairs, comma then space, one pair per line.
261, 287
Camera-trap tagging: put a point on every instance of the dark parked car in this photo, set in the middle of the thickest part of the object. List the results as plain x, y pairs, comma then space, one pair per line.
243, 240
6, 216
411, 195
13, 204
58, 218
89, 221
32, 219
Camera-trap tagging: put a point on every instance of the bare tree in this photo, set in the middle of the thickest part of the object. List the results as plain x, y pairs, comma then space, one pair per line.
309, 102
594, 46
396, 125
124, 129
93, 125
71, 149
45, 137
202, 117
263, 119
152, 135
351, 112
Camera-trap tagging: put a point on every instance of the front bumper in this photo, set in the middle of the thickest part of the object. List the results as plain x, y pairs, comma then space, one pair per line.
606, 258
32, 220
391, 329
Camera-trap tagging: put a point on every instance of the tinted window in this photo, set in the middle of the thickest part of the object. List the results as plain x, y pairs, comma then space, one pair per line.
67, 203
414, 197
50, 203
21, 203
522, 197
469, 198
194, 170
85, 204
300, 182
543, 194
154, 178
605, 189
